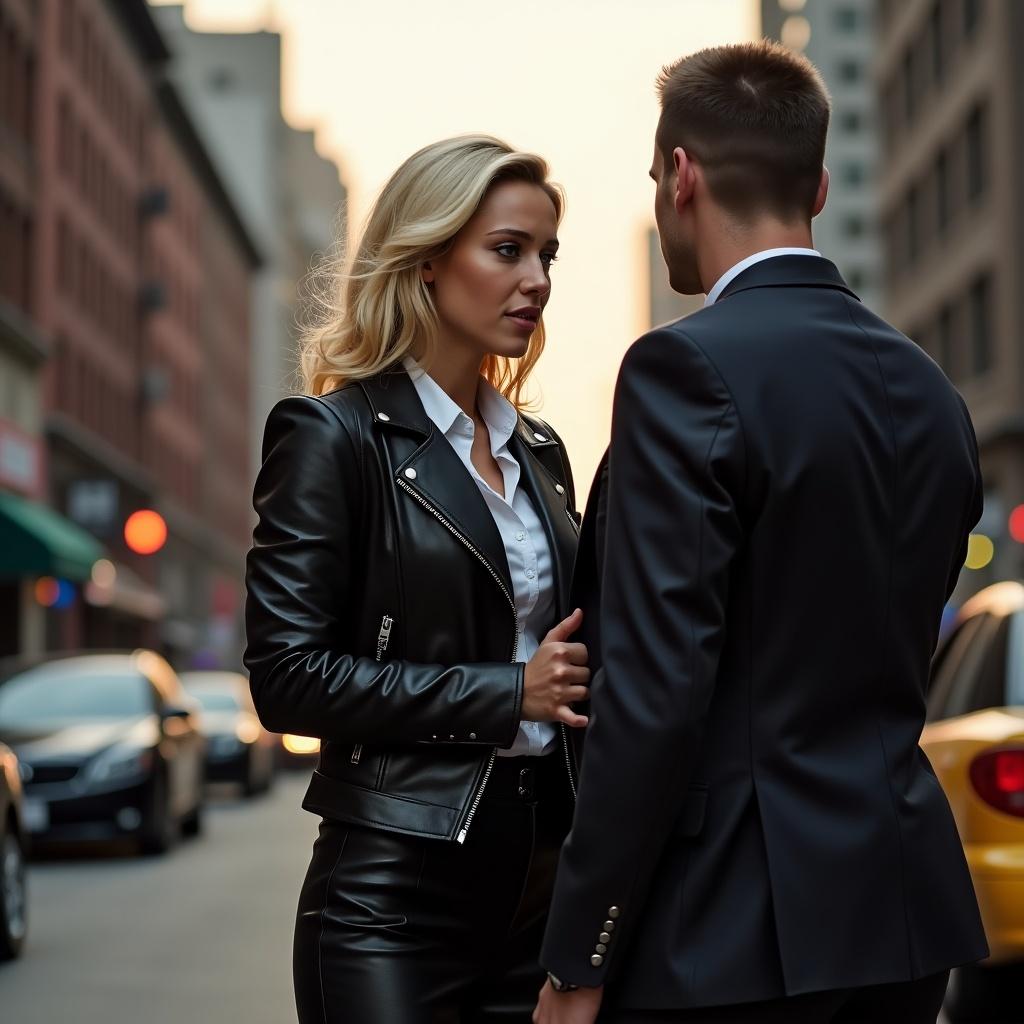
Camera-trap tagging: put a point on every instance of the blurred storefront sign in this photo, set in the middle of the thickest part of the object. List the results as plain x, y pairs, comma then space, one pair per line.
94, 504
21, 460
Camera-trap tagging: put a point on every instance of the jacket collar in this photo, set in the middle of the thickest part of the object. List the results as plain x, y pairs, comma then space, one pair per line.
432, 472
788, 271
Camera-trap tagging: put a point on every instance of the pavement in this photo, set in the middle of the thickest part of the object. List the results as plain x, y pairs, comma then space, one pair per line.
200, 936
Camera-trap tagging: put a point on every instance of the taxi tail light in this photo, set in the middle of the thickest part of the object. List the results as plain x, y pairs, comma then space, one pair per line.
998, 778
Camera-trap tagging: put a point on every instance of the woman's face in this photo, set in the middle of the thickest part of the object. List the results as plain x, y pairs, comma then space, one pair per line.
492, 285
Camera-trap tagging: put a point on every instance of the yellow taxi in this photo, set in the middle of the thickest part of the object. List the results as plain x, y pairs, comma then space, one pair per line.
975, 741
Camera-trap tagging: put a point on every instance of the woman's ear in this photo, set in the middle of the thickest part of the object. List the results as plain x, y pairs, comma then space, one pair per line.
427, 273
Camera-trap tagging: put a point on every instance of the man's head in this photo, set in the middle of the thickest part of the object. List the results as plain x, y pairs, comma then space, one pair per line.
741, 143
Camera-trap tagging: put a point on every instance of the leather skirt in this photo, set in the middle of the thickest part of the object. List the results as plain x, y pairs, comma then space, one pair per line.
396, 929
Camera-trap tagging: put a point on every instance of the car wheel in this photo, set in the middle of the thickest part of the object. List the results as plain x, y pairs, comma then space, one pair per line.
13, 901
160, 830
192, 824
979, 993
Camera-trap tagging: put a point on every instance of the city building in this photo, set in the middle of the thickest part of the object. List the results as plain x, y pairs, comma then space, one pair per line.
290, 196
839, 37
134, 265
951, 93
36, 542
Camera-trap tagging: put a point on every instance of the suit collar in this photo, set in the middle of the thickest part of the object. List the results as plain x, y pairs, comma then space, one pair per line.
788, 271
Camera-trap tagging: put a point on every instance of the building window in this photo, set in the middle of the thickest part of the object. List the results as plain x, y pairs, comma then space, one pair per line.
907, 84
847, 19
944, 350
851, 121
849, 71
972, 16
913, 225
853, 173
942, 191
936, 43
853, 225
979, 305
977, 165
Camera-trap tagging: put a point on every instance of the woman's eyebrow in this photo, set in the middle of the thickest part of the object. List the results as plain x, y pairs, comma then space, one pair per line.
517, 233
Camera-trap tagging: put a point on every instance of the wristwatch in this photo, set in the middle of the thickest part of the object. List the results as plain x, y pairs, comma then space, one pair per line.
561, 986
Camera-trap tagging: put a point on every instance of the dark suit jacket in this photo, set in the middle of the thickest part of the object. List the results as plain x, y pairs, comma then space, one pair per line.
790, 490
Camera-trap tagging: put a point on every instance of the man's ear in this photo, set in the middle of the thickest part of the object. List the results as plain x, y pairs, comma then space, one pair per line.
686, 178
822, 195
427, 273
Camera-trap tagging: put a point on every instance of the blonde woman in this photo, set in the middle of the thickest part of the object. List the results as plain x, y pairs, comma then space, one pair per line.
409, 602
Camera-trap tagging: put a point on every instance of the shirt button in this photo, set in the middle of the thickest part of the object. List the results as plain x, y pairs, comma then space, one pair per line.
520, 536
530, 574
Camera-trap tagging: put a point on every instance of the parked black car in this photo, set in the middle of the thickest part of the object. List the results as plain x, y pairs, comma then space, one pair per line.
13, 900
110, 747
238, 748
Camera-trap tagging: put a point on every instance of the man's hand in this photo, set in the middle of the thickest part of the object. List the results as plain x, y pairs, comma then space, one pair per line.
579, 1007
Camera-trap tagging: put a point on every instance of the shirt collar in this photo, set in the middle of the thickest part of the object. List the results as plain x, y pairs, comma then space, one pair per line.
497, 411
757, 257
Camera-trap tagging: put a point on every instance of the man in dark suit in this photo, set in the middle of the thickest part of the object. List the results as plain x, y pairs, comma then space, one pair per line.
783, 514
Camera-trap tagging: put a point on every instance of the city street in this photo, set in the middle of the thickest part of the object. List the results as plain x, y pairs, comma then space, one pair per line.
200, 936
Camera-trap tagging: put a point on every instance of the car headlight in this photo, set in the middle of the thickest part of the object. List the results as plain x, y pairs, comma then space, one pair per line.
248, 730
118, 763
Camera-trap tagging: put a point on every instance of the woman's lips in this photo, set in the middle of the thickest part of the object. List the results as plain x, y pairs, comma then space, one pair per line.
523, 322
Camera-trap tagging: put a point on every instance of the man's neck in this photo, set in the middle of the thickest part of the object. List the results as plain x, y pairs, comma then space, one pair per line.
727, 248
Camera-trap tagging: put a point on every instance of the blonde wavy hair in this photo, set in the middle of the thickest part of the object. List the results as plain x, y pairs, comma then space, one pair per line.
369, 315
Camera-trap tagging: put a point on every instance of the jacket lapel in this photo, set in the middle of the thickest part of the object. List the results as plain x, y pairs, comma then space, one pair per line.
427, 470
532, 450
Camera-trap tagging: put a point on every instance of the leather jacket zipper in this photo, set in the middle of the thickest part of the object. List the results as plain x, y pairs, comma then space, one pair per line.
471, 547
382, 645
564, 729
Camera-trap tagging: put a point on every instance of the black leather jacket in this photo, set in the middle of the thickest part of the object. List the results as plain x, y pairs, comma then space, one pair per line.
380, 612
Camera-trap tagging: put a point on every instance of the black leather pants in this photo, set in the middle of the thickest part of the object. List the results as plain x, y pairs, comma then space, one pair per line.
394, 929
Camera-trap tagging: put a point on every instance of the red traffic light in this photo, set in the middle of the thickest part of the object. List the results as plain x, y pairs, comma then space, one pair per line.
145, 532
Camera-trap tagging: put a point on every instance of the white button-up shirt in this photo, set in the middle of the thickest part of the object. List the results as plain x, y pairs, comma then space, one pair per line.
738, 268
526, 545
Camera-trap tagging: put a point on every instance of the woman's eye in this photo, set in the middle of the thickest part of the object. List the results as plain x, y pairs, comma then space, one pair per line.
548, 258
509, 249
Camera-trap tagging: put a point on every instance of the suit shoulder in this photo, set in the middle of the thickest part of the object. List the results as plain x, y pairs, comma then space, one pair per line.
678, 351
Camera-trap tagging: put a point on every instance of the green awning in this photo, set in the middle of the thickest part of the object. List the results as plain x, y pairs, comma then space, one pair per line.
37, 541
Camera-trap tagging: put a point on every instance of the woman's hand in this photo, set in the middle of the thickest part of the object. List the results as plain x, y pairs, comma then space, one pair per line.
556, 676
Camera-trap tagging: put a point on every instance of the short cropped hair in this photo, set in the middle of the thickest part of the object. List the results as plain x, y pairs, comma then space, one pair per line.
754, 116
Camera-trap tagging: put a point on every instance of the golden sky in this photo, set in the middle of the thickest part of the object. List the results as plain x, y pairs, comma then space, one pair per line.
572, 80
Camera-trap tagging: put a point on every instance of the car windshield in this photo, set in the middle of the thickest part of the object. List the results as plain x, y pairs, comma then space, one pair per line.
214, 701
54, 694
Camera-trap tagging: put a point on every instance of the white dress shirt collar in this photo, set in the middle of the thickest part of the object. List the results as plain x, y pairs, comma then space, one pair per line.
497, 411
757, 257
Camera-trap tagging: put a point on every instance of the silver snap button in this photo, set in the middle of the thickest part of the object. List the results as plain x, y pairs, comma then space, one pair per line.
411, 474
601, 948
605, 937
613, 912
452, 736
560, 488
472, 735
540, 437
384, 416
596, 960
609, 926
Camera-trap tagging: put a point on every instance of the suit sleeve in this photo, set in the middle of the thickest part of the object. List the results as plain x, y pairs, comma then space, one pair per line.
676, 470
304, 582
976, 505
